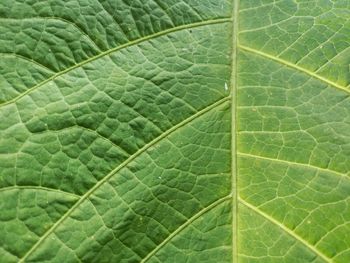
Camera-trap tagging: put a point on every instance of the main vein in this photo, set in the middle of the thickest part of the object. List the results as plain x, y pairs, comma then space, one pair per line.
117, 169
233, 130
109, 51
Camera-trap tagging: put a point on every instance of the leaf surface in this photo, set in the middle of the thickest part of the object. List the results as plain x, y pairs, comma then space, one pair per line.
174, 131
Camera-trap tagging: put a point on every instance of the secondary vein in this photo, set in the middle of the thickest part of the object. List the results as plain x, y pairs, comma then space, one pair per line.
107, 52
37, 188
117, 169
184, 225
291, 65
286, 229
292, 163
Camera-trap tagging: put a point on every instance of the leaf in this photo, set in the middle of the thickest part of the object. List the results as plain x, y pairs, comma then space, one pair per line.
174, 131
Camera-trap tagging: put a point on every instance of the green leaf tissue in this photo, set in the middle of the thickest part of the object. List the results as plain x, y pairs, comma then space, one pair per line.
175, 131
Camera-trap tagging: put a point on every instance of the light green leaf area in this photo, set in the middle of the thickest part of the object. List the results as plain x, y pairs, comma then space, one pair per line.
175, 131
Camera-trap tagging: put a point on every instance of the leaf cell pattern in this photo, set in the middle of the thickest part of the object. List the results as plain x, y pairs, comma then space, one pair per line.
175, 131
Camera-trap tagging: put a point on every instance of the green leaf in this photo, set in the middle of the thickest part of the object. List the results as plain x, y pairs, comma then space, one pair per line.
175, 131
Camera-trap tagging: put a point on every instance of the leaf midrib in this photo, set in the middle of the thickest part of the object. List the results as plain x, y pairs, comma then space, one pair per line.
234, 170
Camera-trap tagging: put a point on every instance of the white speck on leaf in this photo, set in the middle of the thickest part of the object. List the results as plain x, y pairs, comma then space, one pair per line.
226, 87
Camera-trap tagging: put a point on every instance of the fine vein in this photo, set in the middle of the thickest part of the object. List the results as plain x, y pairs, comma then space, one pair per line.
20, 57
107, 52
117, 169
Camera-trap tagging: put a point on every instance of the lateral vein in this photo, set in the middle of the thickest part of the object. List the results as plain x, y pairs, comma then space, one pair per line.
117, 169
291, 65
286, 229
39, 188
184, 225
292, 163
107, 52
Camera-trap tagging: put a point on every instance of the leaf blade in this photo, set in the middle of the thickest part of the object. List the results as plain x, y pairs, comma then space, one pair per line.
148, 133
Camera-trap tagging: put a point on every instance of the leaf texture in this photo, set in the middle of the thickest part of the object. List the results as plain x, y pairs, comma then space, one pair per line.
175, 131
